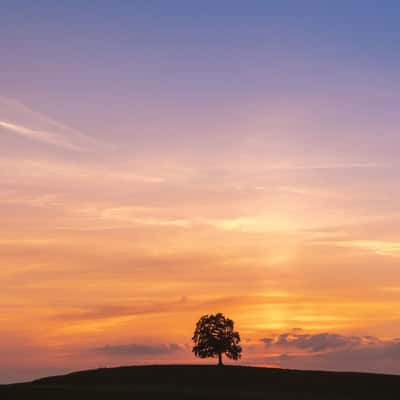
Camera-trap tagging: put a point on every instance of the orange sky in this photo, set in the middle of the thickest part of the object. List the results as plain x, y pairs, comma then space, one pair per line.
145, 182
103, 250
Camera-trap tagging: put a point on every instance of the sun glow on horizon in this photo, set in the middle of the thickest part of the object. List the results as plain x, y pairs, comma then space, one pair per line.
180, 161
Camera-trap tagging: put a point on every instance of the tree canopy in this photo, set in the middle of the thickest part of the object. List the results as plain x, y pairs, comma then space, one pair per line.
214, 336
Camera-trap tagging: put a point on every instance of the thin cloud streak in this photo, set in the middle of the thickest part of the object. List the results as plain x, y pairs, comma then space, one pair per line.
141, 349
326, 166
89, 173
45, 137
20, 120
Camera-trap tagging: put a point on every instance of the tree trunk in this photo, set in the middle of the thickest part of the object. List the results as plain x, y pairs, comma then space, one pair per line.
220, 364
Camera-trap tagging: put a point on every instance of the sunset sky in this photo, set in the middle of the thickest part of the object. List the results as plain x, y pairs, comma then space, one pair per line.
160, 160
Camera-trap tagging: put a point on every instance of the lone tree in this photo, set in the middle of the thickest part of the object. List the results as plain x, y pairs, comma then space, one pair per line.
215, 336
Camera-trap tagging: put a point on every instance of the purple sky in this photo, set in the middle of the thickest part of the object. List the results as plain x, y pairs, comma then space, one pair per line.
161, 161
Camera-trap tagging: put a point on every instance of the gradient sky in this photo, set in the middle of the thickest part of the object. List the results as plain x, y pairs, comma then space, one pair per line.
162, 160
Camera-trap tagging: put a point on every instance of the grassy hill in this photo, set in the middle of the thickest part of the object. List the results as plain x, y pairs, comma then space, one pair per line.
205, 382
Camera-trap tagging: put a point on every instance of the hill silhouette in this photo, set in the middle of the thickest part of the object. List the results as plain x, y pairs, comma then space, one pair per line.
206, 382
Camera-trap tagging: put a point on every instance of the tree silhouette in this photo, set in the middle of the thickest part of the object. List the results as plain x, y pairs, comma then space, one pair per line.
214, 336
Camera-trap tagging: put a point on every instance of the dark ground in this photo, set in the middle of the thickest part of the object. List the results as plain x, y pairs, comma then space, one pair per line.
206, 382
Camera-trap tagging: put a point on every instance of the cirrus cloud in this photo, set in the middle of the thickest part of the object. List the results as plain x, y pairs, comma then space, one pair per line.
18, 119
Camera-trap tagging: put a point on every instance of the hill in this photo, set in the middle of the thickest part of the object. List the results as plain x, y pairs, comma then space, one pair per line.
206, 382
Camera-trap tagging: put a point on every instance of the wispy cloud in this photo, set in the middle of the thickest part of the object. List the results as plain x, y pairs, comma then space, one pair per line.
141, 349
89, 173
116, 311
20, 120
41, 136
330, 165
341, 238
380, 247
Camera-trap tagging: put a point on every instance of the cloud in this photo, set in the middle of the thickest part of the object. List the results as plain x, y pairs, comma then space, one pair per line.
316, 342
115, 311
380, 357
132, 215
20, 120
323, 165
267, 341
383, 248
141, 349
51, 171
331, 351
41, 136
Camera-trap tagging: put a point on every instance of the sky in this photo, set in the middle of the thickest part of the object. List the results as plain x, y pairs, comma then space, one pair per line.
164, 160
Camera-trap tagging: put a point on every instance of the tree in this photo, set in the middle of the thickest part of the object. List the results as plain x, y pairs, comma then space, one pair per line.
214, 336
